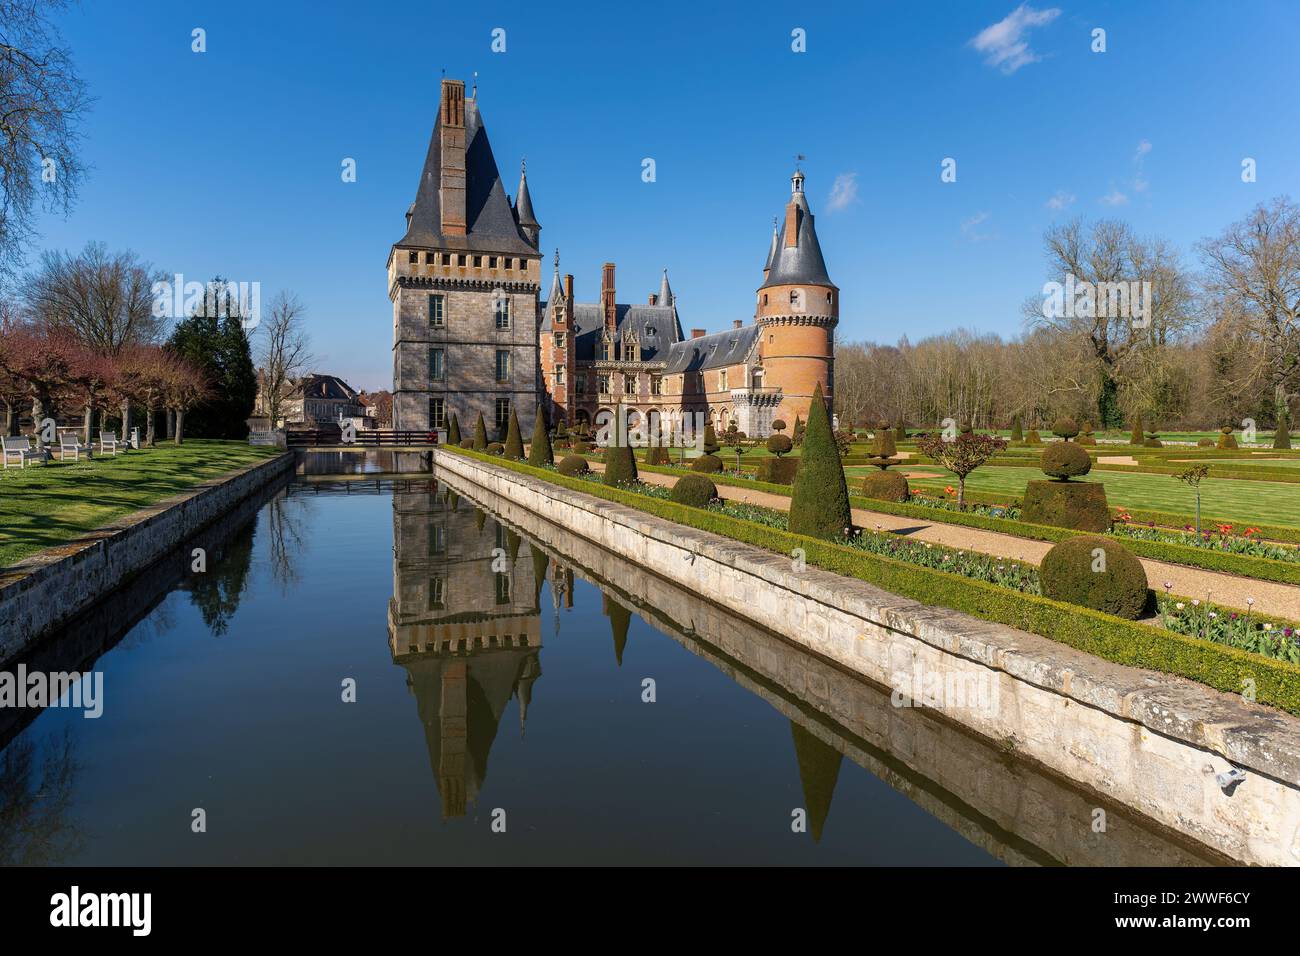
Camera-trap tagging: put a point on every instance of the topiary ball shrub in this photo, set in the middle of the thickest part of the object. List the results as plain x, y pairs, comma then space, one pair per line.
777, 471
573, 465
1097, 573
1065, 427
496, 448
1064, 460
1153, 442
886, 486
1225, 438
1087, 438
1080, 505
694, 490
467, 443
581, 448
1205, 443
779, 445
707, 464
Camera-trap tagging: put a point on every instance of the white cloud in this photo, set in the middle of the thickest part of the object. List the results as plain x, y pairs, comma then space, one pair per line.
1005, 43
844, 192
1140, 182
1061, 200
1144, 147
1114, 198
969, 227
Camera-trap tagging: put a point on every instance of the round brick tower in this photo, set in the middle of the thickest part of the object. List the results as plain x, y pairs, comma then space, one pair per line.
798, 308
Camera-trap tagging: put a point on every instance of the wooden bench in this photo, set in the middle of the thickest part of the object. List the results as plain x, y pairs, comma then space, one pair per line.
17, 447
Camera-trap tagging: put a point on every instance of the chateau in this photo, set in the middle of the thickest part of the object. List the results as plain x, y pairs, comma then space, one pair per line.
471, 335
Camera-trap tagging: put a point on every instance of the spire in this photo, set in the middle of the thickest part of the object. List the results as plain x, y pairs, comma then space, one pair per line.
556, 292
771, 251
665, 292
796, 255
524, 207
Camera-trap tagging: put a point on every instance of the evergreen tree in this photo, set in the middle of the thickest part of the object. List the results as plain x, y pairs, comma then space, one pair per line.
539, 450
1282, 438
1017, 432
820, 504
514, 441
213, 338
1137, 438
480, 434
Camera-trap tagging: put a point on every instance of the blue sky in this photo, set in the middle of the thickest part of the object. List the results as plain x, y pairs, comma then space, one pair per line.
229, 161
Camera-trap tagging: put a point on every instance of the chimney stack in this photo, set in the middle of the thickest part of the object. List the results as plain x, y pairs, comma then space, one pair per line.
568, 297
451, 194
653, 298
736, 323
607, 305
698, 333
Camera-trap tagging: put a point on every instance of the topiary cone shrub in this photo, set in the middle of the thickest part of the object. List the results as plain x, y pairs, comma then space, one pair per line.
1097, 573
886, 486
900, 432
819, 506
694, 490
1032, 438
1136, 437
514, 443
539, 449
1225, 438
453, 432
480, 434
656, 455
1282, 437
573, 465
1017, 433
620, 460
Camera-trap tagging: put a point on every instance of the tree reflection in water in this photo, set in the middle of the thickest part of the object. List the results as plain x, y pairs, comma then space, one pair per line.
34, 801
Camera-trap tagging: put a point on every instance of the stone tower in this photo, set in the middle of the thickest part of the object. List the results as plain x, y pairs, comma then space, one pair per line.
464, 282
798, 308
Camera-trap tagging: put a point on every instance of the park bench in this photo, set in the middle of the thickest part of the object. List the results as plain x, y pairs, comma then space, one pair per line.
108, 443
17, 447
70, 444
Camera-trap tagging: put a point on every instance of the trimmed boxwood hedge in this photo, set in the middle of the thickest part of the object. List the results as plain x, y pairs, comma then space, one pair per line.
1114, 639
1242, 565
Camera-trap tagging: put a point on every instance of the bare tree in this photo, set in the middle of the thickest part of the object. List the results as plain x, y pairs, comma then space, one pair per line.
284, 355
42, 101
104, 299
1253, 275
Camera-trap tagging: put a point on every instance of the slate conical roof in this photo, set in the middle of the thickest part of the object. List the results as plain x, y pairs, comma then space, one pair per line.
489, 220
802, 262
665, 291
524, 201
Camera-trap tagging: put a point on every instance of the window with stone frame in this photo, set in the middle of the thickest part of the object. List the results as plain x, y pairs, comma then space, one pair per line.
502, 414
437, 310
503, 365
656, 385
501, 310
629, 384
437, 365
437, 413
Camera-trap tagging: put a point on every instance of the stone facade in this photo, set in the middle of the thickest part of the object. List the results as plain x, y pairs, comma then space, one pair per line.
464, 285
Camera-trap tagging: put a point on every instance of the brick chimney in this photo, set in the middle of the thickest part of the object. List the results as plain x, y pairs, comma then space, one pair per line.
736, 323
607, 305
653, 298
451, 194
568, 297
698, 333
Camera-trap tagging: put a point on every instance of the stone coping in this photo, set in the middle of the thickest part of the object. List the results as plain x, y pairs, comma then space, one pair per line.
1251, 736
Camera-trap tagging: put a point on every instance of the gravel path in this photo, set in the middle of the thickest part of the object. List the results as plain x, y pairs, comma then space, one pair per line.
1280, 600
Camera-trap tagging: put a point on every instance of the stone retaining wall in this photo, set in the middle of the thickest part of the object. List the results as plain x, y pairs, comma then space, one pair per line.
41, 592
1148, 741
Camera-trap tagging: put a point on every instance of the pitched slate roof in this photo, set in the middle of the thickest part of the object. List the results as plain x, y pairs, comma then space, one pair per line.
718, 350
490, 221
802, 263
328, 387
524, 201
656, 327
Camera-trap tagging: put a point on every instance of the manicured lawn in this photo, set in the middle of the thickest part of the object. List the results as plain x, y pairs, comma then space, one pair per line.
1233, 499
42, 506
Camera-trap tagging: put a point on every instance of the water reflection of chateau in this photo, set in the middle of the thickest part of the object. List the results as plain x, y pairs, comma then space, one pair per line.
464, 621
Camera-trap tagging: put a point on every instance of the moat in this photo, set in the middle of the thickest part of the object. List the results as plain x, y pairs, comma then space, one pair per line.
501, 684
